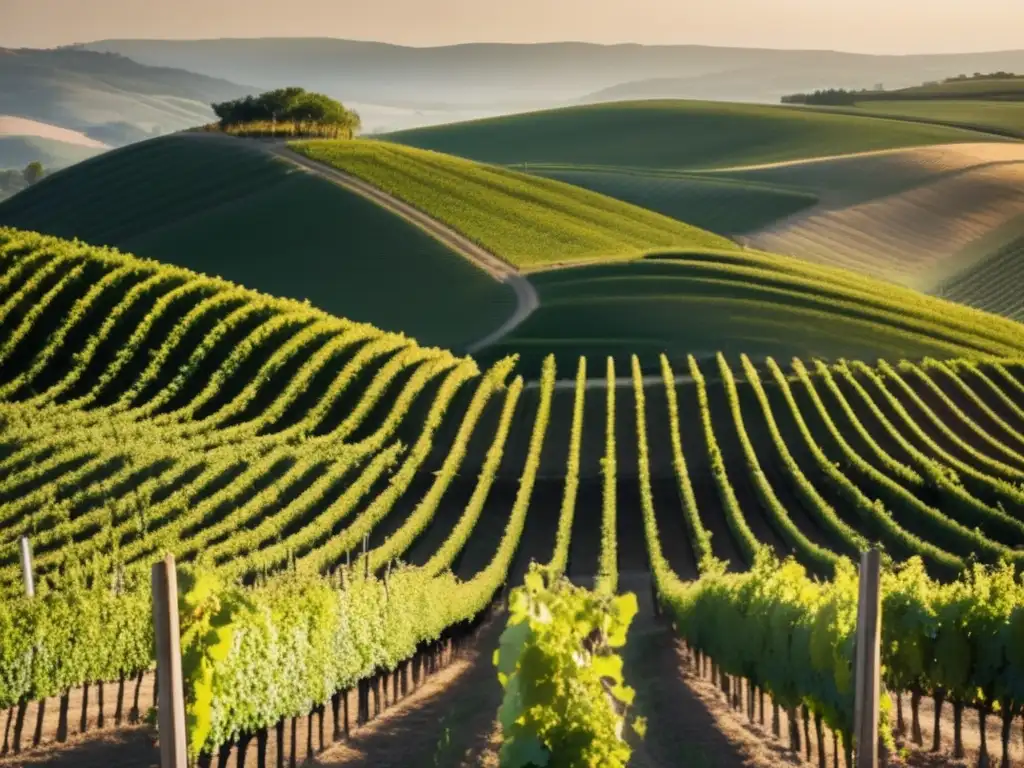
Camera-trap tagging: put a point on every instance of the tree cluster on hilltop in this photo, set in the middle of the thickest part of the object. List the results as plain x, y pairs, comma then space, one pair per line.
981, 76
295, 110
832, 97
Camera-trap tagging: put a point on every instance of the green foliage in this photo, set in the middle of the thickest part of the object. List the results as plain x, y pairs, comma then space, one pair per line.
608, 571
260, 438
565, 696
312, 112
560, 558
208, 614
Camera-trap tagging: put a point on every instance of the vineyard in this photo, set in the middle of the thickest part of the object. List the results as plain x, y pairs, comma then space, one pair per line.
349, 496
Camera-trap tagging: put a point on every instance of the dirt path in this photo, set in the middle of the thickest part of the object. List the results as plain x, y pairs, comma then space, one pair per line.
527, 299
683, 726
446, 723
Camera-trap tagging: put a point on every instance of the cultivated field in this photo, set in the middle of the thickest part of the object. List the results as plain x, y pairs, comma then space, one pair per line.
198, 201
1000, 116
653, 404
148, 409
527, 221
917, 217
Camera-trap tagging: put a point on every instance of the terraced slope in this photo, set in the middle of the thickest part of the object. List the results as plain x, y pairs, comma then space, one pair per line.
228, 208
917, 217
673, 134
702, 302
145, 408
995, 283
527, 221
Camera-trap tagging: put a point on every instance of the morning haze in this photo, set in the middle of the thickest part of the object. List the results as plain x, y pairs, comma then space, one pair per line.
868, 26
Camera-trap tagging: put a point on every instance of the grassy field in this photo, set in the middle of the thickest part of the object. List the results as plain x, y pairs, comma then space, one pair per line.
744, 302
719, 205
970, 88
673, 134
528, 221
226, 208
999, 115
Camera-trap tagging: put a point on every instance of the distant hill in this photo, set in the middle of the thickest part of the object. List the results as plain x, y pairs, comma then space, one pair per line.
106, 97
19, 151
509, 77
23, 141
772, 83
673, 134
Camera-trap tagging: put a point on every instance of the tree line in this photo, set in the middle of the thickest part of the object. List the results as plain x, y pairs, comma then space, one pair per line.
832, 97
836, 97
981, 76
288, 111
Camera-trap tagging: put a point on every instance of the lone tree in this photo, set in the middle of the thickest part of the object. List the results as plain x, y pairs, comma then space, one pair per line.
33, 172
307, 112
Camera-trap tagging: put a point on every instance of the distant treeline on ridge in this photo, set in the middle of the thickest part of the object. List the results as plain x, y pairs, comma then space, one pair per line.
842, 97
287, 111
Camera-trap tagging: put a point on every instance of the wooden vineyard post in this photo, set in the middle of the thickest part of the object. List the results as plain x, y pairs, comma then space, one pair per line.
867, 670
26, 567
171, 709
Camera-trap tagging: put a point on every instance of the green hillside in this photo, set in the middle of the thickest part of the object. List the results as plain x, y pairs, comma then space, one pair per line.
1004, 117
703, 302
726, 206
673, 134
225, 207
527, 221
987, 87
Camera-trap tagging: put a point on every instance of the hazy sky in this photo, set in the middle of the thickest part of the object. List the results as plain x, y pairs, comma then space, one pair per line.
870, 26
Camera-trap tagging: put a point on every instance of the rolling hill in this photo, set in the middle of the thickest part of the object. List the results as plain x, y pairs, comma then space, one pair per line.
108, 97
528, 221
743, 302
673, 135
227, 207
917, 217
1005, 118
